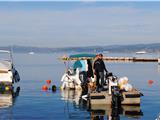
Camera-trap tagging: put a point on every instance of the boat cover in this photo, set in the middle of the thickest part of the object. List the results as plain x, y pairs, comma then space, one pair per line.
82, 55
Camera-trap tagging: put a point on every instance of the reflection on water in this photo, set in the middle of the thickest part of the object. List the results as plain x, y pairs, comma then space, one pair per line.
106, 112
71, 96
75, 107
97, 112
7, 98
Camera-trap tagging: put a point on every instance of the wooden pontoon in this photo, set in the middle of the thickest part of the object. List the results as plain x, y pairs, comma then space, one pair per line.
115, 92
104, 98
118, 59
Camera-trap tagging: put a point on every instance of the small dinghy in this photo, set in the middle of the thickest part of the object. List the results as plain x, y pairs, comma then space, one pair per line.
117, 92
75, 75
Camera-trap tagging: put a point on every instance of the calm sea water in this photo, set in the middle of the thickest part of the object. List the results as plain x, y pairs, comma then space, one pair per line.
35, 104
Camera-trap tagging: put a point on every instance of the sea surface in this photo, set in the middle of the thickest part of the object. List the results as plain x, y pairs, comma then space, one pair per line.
34, 104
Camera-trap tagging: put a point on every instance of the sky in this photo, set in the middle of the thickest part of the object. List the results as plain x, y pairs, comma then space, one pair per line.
82, 23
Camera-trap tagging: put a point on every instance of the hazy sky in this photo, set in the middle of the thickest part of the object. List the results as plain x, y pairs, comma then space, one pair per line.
63, 24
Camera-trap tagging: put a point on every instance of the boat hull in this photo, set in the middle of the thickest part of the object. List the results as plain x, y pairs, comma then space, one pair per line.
103, 98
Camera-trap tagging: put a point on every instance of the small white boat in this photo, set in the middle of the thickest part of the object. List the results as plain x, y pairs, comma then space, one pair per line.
116, 93
75, 75
31, 53
141, 52
8, 74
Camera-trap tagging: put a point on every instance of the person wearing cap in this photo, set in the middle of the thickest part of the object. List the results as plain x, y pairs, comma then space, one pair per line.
99, 68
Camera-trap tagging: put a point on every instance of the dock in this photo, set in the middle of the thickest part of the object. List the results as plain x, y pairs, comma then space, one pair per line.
118, 59
103, 98
130, 59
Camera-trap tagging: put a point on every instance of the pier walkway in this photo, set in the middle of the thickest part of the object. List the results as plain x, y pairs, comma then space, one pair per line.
131, 59
118, 59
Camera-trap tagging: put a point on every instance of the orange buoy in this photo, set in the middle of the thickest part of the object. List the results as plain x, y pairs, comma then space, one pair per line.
150, 82
44, 88
48, 82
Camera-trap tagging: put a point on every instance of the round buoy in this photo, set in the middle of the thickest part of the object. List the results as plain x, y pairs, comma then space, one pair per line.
48, 82
150, 82
54, 88
44, 88
7, 88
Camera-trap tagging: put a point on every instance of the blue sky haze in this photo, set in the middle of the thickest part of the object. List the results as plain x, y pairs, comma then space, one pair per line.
63, 24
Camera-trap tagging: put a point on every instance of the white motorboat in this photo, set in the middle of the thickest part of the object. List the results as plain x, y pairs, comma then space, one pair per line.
31, 53
8, 73
141, 52
116, 92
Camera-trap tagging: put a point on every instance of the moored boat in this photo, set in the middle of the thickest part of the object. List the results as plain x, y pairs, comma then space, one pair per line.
75, 74
141, 52
114, 94
8, 73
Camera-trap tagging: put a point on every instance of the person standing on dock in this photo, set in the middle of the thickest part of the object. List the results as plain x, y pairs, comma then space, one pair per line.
99, 68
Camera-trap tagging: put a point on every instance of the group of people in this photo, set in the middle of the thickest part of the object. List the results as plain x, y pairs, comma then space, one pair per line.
99, 69
96, 70
90, 70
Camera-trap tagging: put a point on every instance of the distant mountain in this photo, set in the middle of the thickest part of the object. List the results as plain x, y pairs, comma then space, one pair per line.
155, 47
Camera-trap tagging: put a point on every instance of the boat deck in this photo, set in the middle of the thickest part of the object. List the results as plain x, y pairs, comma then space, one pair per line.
104, 98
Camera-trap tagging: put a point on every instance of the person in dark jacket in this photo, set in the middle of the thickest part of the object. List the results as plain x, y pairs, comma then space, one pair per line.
90, 71
99, 68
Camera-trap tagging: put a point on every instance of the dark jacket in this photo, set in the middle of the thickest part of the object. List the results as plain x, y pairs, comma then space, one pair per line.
99, 66
90, 71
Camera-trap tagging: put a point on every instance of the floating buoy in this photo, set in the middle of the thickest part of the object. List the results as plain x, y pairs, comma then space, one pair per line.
7, 88
54, 88
44, 88
48, 82
150, 82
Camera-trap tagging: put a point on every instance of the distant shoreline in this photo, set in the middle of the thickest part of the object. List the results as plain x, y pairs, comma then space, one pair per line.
149, 48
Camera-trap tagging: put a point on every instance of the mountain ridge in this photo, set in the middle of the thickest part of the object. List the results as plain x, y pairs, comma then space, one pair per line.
152, 47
